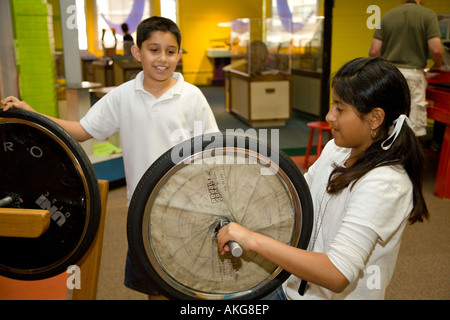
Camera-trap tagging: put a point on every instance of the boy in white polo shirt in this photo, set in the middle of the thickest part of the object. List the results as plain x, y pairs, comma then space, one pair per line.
150, 108
153, 112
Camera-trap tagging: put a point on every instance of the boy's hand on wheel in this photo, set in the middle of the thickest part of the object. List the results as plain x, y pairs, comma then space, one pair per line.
12, 102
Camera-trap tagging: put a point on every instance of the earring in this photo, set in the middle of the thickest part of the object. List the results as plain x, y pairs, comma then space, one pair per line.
373, 134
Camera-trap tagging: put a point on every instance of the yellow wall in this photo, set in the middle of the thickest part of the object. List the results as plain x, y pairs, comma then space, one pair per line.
198, 21
91, 26
351, 38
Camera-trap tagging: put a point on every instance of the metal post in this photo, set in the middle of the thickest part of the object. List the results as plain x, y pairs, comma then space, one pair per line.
69, 29
8, 71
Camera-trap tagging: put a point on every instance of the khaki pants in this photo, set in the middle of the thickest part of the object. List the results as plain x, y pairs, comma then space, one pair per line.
417, 87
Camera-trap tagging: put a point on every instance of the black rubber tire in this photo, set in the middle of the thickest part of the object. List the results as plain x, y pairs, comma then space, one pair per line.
150, 184
19, 258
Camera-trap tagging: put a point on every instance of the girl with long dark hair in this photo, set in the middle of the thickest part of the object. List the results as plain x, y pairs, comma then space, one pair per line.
366, 186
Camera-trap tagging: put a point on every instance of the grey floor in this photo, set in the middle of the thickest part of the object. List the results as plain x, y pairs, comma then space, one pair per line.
423, 266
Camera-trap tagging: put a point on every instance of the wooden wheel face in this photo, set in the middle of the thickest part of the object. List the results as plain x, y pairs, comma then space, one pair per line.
181, 213
44, 168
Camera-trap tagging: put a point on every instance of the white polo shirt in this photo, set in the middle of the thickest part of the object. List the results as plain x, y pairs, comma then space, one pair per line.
149, 126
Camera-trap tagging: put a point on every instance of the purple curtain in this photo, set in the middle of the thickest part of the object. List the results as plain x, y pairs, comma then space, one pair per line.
286, 17
133, 19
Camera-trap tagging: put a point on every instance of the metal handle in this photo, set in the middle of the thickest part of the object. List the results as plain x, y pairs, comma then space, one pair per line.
6, 201
235, 248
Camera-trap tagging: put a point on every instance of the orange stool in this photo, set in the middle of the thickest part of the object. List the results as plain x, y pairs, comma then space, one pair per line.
321, 126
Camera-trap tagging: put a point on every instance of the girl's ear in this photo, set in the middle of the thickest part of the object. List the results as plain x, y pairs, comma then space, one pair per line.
376, 118
136, 52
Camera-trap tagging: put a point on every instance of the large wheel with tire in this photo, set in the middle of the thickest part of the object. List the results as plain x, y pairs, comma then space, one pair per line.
43, 167
180, 201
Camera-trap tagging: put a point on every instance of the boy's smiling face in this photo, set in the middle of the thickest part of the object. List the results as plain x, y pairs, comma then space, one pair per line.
159, 55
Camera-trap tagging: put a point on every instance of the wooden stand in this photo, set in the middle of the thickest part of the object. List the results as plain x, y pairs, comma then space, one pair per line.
55, 287
90, 263
260, 100
125, 68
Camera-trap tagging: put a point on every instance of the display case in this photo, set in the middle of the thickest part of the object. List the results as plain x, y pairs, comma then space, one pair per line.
259, 85
307, 63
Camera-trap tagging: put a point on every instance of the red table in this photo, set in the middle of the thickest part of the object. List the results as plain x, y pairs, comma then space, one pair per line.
438, 94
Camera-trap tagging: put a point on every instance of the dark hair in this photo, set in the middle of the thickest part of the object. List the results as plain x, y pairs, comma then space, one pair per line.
368, 83
155, 23
124, 27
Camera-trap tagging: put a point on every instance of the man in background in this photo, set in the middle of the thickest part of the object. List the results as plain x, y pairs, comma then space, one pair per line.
408, 34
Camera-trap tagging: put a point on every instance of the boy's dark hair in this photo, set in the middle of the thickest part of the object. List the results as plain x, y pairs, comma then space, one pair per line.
368, 83
155, 23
